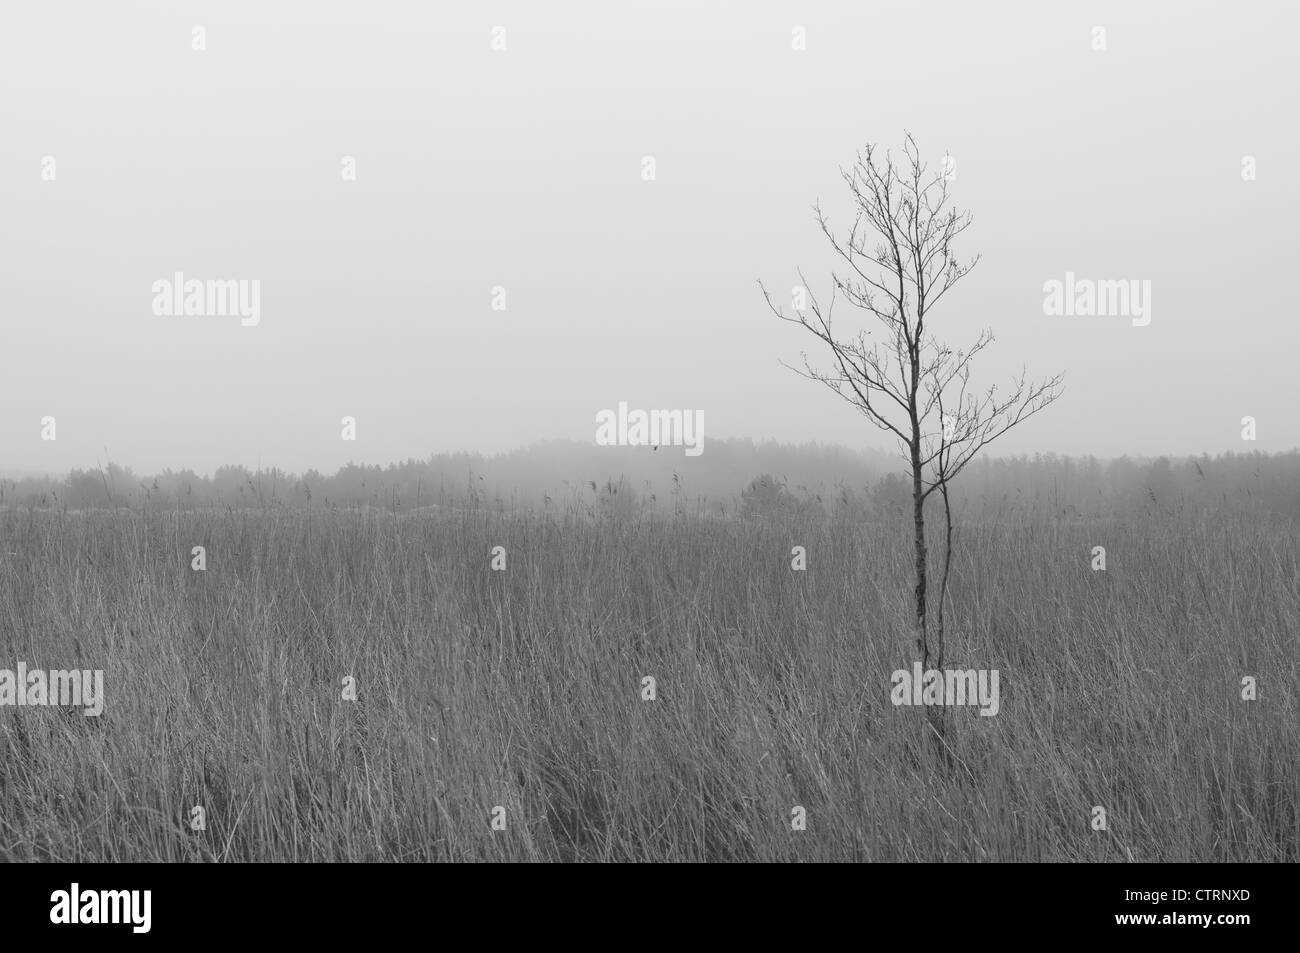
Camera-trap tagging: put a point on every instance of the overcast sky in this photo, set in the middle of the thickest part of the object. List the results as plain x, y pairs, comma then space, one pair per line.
522, 168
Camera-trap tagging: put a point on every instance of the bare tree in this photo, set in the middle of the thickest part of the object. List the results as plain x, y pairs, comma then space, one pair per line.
895, 371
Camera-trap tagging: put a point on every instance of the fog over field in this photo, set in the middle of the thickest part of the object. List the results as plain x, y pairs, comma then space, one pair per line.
522, 169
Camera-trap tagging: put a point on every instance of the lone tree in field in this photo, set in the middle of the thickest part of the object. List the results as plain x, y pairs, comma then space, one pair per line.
901, 377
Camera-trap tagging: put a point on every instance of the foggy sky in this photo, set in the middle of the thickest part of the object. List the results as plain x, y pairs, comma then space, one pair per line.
522, 169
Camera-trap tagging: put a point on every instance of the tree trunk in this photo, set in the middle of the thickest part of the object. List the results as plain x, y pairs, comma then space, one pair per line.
918, 524
947, 563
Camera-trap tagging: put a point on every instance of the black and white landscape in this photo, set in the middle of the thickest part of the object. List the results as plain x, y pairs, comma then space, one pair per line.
665, 431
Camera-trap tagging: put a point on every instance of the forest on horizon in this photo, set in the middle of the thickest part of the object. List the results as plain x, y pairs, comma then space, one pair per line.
734, 476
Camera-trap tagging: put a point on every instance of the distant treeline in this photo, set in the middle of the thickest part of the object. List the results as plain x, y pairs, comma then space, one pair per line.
732, 477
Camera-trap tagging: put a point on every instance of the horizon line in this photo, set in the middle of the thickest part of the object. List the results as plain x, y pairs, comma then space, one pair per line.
27, 473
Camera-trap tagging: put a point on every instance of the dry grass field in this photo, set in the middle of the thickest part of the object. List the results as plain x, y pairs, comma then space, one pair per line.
522, 689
